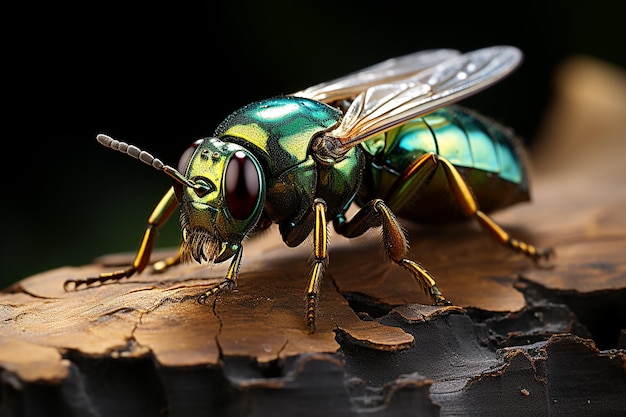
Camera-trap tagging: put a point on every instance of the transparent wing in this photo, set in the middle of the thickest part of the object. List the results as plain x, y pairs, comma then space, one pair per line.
349, 86
382, 107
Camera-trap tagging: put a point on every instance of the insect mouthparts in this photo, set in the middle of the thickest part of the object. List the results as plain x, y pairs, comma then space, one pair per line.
200, 245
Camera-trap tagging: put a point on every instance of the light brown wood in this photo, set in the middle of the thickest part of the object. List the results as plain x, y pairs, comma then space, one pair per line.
578, 207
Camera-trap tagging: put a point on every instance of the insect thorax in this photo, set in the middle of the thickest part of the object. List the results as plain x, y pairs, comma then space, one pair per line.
279, 132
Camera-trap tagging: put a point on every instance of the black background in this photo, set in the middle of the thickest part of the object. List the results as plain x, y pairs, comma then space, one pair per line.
164, 74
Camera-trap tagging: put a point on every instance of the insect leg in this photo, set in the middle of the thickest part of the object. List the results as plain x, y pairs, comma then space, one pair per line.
159, 216
230, 280
376, 213
469, 206
320, 258
413, 178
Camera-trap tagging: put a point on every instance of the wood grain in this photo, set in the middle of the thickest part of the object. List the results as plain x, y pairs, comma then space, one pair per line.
378, 342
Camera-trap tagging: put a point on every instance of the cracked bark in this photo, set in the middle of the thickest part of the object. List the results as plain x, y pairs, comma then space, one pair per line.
521, 339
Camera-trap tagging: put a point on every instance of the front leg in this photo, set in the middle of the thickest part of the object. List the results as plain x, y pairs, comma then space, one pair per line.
376, 213
159, 216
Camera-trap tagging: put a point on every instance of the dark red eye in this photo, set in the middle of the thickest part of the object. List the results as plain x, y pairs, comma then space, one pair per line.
186, 156
242, 186
182, 166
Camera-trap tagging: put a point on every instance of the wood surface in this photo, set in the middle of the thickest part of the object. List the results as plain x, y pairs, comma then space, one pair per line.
521, 338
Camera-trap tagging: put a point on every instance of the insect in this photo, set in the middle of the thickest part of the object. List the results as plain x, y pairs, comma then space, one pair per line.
389, 138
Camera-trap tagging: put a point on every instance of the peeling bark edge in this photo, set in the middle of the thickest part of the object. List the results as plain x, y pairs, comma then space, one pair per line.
535, 379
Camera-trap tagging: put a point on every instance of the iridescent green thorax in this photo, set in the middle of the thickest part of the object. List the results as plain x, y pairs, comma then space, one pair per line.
279, 130
486, 154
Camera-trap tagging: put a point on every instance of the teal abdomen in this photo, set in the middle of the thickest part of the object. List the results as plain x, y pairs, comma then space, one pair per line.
486, 154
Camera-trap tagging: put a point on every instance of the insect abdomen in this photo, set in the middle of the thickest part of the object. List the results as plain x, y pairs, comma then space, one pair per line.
487, 155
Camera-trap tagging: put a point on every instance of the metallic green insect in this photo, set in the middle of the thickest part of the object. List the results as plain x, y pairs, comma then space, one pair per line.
380, 138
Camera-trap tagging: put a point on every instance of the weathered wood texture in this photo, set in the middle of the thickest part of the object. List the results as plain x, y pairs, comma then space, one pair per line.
522, 339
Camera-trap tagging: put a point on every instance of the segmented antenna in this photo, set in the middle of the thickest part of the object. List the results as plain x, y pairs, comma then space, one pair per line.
146, 158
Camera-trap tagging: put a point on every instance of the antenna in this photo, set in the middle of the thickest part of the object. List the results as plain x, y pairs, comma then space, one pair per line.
148, 159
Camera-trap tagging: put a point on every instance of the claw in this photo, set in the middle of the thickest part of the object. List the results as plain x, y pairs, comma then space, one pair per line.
202, 298
538, 254
66, 285
546, 253
77, 283
437, 295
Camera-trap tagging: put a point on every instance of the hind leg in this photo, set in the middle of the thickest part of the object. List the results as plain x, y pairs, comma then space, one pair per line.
469, 206
420, 172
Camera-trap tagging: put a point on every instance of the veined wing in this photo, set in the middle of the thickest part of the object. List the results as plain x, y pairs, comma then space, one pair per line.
384, 106
349, 86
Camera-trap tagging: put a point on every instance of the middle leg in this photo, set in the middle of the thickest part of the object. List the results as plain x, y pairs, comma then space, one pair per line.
375, 214
320, 260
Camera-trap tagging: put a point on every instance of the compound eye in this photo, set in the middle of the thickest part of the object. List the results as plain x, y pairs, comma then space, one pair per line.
242, 186
183, 162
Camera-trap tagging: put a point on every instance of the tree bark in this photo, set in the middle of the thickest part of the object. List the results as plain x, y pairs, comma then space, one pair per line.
521, 338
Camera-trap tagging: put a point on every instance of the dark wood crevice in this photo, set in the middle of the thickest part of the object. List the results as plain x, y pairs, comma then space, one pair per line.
522, 339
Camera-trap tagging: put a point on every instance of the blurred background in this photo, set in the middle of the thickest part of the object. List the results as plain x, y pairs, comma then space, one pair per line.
162, 75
